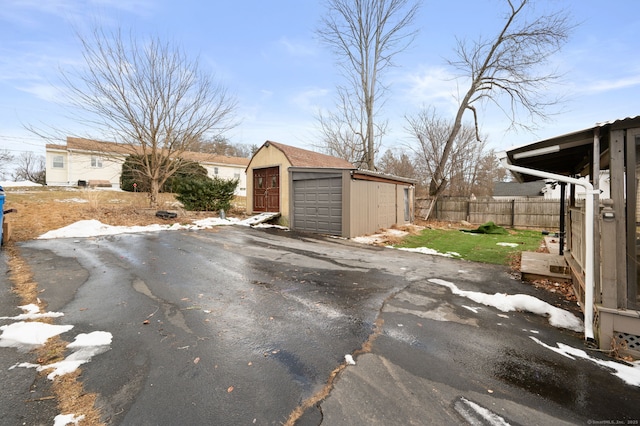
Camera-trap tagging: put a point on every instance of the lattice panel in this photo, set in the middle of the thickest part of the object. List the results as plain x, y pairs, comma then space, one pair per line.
632, 341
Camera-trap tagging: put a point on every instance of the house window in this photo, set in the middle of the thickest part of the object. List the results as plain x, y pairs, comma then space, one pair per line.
215, 170
236, 176
96, 162
58, 162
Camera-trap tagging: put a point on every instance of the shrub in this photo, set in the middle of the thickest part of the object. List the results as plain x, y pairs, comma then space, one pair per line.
204, 193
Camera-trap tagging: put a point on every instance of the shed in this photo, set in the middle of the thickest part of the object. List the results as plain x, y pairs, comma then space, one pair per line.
318, 193
602, 234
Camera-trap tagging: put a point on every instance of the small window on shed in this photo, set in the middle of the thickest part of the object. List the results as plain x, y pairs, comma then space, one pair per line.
58, 162
260, 182
274, 181
215, 170
407, 210
236, 176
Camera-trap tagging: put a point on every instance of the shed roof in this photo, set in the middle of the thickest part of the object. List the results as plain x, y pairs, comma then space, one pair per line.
569, 154
299, 157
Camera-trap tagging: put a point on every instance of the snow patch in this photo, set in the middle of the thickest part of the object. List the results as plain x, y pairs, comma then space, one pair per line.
87, 345
67, 419
426, 250
628, 372
518, 302
32, 312
27, 335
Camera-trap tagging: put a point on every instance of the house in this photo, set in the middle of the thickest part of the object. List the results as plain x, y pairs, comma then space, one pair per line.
319, 193
602, 234
518, 190
84, 161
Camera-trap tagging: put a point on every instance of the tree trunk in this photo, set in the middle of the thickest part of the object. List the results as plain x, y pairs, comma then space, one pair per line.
153, 193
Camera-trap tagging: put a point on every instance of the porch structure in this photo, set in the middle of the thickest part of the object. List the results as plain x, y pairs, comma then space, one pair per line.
602, 235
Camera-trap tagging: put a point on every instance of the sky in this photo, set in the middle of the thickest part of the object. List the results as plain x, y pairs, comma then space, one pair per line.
267, 55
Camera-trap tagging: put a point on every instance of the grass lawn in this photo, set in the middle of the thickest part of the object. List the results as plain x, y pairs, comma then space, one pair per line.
484, 248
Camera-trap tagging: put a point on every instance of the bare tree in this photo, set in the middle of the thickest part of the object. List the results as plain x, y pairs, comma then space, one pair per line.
30, 167
509, 70
222, 146
149, 97
6, 159
398, 164
365, 35
431, 133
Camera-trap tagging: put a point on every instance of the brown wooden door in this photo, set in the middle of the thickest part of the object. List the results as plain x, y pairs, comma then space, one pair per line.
266, 189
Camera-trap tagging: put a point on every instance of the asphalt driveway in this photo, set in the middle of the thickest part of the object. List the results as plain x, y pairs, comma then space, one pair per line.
244, 326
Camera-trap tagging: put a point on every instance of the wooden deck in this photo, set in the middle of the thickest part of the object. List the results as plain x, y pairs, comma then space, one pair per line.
552, 266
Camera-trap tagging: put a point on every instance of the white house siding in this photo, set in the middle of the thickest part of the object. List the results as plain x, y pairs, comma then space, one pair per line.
77, 166
226, 171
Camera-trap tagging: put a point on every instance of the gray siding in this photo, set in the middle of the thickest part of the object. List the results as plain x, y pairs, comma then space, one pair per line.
317, 204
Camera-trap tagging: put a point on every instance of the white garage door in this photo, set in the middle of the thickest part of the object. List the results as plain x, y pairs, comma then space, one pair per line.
317, 205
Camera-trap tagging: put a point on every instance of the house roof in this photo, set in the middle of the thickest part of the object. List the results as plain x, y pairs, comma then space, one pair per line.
517, 189
89, 145
569, 154
299, 157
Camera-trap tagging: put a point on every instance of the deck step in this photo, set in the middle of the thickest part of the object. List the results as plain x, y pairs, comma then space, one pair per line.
536, 266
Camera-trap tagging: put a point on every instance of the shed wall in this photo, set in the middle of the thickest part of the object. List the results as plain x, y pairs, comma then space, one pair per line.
376, 205
268, 156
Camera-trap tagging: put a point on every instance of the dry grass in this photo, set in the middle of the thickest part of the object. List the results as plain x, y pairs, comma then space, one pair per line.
43, 209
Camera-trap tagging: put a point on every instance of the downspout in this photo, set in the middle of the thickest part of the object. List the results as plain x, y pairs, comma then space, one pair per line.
589, 235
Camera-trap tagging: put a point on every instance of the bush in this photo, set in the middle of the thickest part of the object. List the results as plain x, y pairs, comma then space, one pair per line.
205, 194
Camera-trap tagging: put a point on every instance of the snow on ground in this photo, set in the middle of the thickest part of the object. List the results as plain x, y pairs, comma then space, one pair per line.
72, 200
95, 228
628, 372
26, 336
507, 244
67, 419
380, 238
426, 250
23, 183
518, 302
32, 312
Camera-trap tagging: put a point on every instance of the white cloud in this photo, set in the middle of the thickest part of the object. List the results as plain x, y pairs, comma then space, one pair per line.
309, 99
296, 48
431, 85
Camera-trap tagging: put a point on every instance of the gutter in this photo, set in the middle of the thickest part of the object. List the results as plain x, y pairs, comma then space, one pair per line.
589, 237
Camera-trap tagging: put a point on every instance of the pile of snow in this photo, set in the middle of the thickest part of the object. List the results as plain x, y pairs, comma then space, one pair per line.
518, 302
95, 228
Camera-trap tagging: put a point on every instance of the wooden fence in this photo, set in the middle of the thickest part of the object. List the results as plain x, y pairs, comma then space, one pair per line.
522, 213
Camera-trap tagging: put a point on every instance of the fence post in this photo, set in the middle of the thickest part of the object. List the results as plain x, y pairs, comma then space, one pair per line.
513, 212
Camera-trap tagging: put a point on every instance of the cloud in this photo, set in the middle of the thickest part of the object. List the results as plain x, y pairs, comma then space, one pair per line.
431, 86
600, 86
296, 48
309, 99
